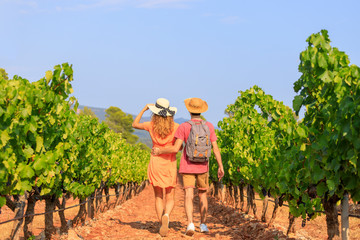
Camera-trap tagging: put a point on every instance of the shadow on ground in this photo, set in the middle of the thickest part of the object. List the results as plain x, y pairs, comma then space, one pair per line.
151, 226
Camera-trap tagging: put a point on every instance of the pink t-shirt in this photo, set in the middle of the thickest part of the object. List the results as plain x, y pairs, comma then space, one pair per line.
183, 133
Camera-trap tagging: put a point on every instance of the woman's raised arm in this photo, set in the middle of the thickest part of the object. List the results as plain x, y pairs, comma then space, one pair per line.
136, 123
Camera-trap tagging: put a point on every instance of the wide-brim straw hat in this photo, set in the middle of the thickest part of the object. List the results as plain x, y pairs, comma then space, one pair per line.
196, 105
162, 108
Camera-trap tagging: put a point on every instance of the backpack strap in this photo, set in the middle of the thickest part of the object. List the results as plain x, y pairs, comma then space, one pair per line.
192, 123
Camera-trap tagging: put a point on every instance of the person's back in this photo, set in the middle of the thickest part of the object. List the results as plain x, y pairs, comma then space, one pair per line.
183, 132
162, 169
162, 131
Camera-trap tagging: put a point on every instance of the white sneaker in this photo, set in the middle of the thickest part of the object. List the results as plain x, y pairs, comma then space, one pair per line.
203, 228
164, 229
190, 230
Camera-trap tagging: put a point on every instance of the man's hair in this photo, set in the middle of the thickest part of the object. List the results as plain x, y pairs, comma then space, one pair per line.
196, 114
163, 126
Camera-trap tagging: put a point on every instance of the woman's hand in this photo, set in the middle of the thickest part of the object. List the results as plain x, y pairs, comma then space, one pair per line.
136, 123
147, 106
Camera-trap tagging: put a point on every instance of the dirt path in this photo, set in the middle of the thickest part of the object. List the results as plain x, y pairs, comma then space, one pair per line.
136, 219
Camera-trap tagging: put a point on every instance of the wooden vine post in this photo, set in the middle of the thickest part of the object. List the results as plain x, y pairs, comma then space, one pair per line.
91, 206
345, 233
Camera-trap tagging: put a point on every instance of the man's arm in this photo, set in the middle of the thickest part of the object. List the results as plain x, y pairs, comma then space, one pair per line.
218, 159
172, 149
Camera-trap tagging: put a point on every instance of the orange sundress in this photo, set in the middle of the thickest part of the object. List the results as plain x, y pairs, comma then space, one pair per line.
162, 169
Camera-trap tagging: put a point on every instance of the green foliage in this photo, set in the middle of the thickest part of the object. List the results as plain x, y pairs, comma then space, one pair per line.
3, 74
46, 145
306, 161
143, 146
259, 145
87, 111
121, 122
329, 88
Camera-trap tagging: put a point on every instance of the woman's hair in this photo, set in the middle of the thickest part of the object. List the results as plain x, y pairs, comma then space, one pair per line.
163, 126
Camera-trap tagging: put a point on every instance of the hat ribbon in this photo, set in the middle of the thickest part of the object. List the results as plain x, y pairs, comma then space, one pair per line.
163, 110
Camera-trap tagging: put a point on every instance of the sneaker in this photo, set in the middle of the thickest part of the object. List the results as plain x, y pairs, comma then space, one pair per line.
164, 229
203, 228
190, 230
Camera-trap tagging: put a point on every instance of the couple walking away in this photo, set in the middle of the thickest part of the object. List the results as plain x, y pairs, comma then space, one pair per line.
168, 138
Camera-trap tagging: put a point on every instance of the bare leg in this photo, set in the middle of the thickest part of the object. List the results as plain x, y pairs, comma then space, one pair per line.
203, 205
189, 205
159, 205
170, 195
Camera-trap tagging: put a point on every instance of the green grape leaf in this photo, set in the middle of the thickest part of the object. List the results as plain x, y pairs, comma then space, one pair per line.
4, 137
52, 120
303, 147
318, 173
297, 103
48, 76
330, 184
321, 189
26, 111
39, 143
326, 77
350, 182
2, 201
28, 152
44, 191
25, 185
322, 61
27, 172
39, 164
301, 131
356, 196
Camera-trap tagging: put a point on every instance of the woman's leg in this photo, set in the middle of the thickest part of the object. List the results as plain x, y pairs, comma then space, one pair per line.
159, 206
164, 229
170, 195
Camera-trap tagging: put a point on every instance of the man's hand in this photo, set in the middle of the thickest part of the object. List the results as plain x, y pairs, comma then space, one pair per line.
220, 173
155, 151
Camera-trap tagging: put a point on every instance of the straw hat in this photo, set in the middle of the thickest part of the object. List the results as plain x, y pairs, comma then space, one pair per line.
162, 108
196, 105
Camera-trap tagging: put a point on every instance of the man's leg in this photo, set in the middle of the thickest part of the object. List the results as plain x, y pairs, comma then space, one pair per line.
189, 204
203, 205
203, 185
159, 205
189, 185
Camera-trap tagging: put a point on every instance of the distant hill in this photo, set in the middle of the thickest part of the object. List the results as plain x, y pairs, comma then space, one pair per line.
144, 136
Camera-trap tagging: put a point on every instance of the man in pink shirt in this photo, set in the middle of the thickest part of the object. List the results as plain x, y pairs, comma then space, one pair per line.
194, 172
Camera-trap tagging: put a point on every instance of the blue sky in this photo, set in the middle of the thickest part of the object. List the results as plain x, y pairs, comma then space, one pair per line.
128, 53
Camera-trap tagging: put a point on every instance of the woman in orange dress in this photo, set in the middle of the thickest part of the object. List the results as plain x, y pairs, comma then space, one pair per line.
162, 170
